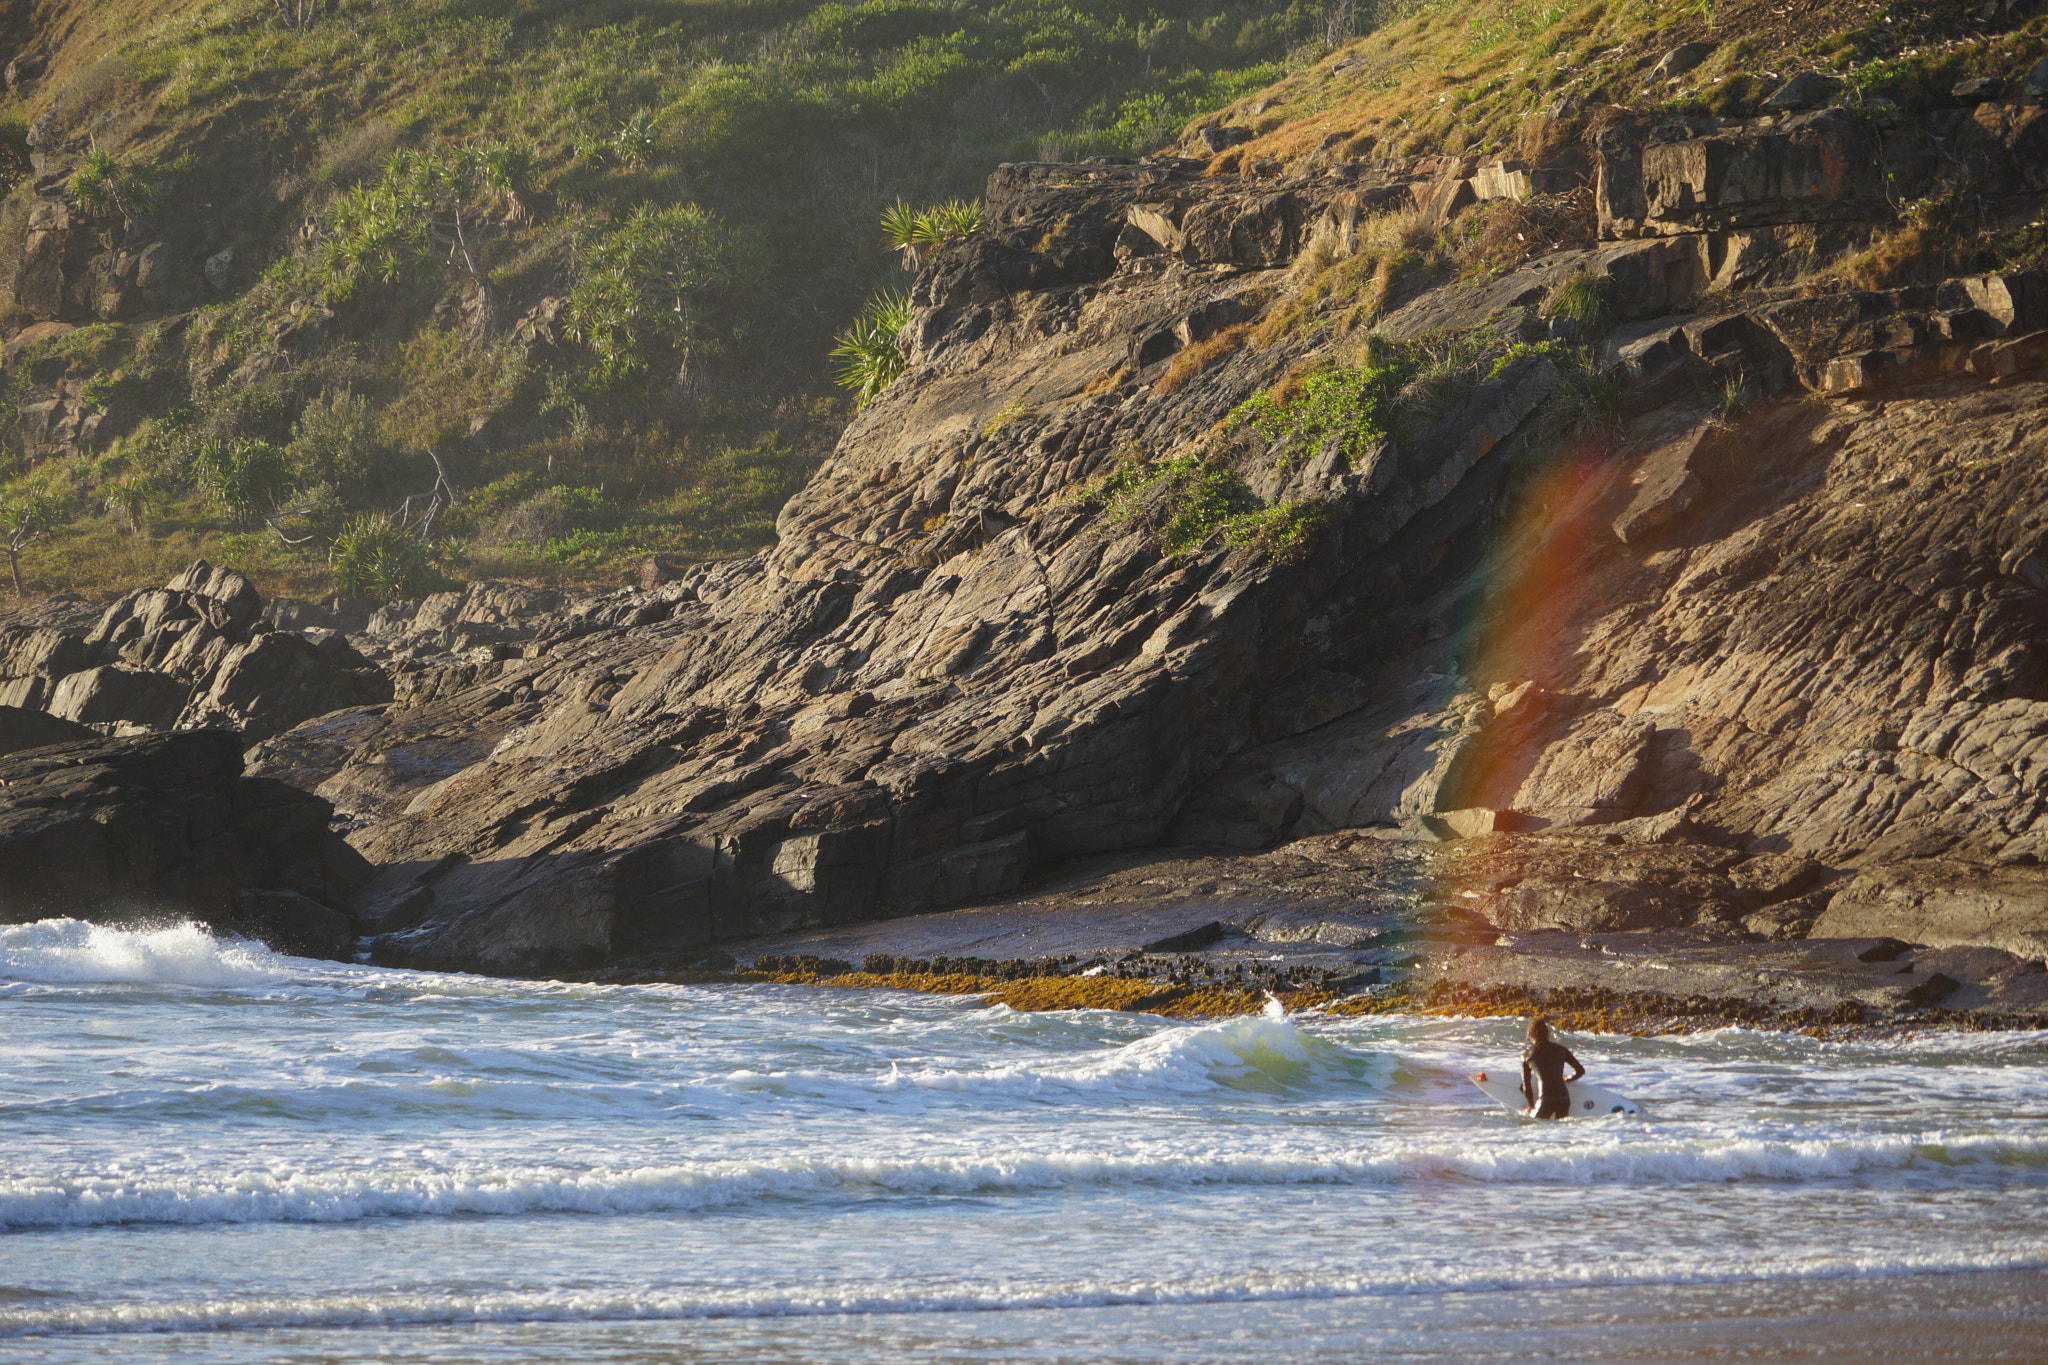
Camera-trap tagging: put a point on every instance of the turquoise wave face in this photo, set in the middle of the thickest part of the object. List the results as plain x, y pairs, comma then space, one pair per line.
205, 1138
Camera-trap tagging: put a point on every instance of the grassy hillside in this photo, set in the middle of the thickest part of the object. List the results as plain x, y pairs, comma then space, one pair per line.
592, 254
1453, 78
673, 203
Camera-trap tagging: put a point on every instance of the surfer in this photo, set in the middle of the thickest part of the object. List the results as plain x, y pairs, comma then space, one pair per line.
1549, 1097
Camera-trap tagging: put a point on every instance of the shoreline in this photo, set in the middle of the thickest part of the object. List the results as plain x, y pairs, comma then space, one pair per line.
1338, 925
1630, 1014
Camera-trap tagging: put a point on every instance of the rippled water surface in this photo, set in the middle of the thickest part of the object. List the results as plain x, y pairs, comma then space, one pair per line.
216, 1153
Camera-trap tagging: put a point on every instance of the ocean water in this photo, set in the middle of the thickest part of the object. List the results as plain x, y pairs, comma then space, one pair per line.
216, 1153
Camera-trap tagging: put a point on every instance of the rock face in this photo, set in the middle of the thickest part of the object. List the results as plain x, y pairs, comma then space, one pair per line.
76, 267
196, 652
1945, 902
156, 826
956, 666
21, 729
1645, 667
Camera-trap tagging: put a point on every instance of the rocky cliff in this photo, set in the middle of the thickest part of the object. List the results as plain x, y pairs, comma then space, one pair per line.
1660, 580
1768, 626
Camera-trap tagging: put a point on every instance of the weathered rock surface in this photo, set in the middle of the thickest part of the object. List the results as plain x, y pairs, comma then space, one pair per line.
1340, 907
1705, 673
194, 653
21, 729
1944, 902
153, 827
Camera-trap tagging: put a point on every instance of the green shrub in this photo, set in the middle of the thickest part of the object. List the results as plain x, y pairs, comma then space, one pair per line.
242, 480
638, 140
401, 225
15, 163
586, 508
1284, 531
638, 286
587, 548
1193, 498
335, 442
1186, 500
133, 497
879, 24
373, 556
868, 355
1354, 406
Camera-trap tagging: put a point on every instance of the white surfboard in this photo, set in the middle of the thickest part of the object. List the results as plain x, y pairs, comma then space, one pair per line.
1588, 1101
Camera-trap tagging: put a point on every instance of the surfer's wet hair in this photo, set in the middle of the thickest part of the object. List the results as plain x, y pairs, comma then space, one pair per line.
1539, 1030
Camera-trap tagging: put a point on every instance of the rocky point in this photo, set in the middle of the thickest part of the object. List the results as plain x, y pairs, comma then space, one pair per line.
1752, 654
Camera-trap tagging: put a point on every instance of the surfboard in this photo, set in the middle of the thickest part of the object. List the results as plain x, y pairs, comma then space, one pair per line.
1588, 1101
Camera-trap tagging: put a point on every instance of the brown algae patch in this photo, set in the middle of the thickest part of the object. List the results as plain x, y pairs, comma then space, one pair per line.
1046, 993
1573, 1009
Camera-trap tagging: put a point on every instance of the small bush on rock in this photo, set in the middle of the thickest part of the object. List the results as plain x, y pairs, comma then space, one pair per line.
916, 233
1353, 406
101, 186
1186, 500
868, 355
1581, 298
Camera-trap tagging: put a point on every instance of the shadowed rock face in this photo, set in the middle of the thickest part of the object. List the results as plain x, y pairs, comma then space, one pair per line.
195, 653
1698, 672
152, 827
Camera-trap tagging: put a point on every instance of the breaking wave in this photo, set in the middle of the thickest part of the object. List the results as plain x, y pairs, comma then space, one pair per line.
830, 1299
69, 951
347, 1196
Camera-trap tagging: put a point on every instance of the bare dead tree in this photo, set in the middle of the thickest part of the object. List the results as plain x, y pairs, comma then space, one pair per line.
279, 531
1336, 23
455, 237
419, 510
296, 14
31, 523
1051, 97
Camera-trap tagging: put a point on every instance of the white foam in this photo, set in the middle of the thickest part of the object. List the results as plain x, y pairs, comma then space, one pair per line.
69, 951
1256, 1053
334, 1196
829, 1298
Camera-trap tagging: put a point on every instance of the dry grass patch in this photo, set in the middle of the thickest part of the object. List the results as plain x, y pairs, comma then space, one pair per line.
1349, 291
1190, 361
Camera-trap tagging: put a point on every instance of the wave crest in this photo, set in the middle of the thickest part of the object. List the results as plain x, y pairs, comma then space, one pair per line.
70, 952
348, 1196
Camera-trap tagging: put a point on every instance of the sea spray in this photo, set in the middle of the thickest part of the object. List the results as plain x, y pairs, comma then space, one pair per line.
182, 954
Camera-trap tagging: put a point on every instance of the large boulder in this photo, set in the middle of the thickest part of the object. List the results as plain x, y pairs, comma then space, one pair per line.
1943, 903
34, 653
128, 830
114, 694
197, 652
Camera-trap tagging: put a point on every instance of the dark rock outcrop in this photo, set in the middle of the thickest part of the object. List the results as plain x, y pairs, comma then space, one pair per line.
20, 729
166, 826
197, 652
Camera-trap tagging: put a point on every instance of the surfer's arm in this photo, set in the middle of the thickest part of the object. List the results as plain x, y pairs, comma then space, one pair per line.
1528, 1087
1577, 1070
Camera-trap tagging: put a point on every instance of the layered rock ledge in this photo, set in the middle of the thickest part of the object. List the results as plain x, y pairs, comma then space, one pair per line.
1753, 655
